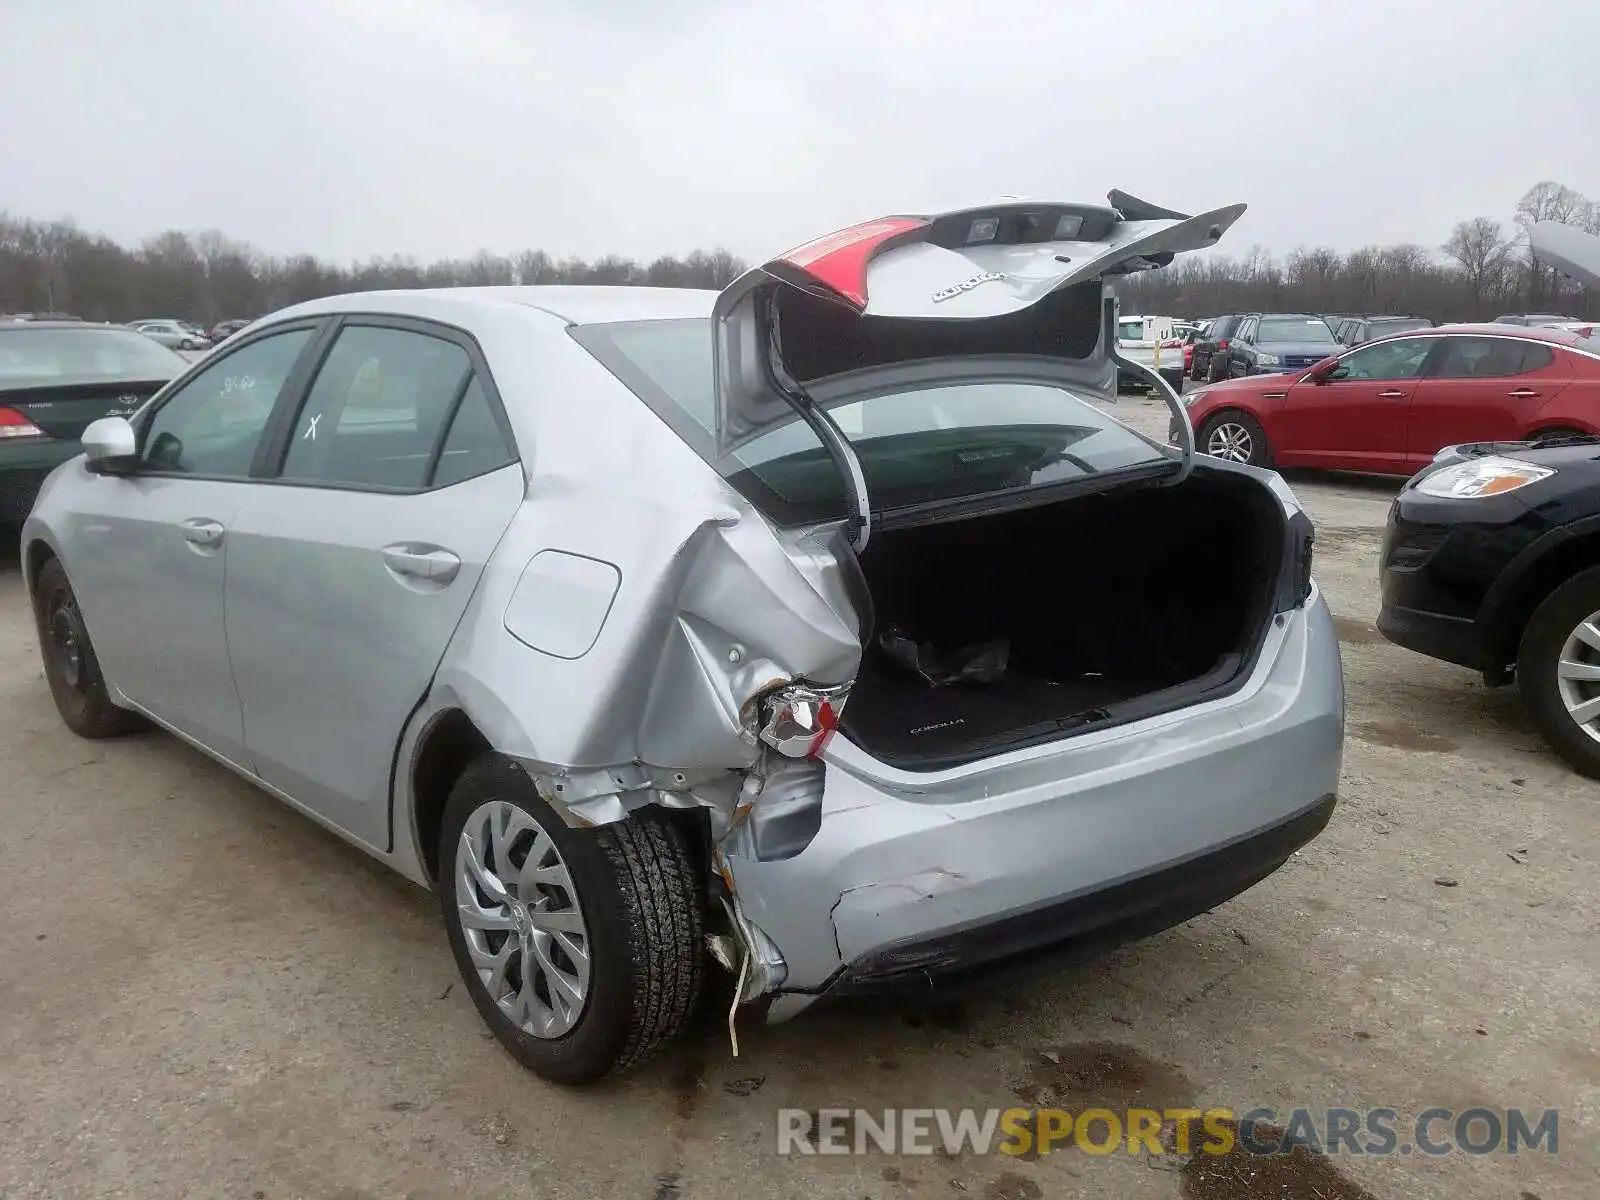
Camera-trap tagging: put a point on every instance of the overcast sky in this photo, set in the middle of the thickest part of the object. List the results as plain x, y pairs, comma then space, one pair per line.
350, 128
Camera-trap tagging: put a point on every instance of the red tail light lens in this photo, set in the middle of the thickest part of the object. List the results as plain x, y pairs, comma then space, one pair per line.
838, 262
1222, 343
14, 425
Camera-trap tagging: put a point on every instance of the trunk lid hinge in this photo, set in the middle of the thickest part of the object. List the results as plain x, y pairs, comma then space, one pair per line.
858, 526
1180, 415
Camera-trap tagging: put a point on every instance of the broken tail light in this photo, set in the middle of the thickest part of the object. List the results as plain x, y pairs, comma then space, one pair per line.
799, 720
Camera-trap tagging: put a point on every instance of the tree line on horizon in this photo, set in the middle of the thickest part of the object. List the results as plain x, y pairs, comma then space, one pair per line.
54, 266
1483, 269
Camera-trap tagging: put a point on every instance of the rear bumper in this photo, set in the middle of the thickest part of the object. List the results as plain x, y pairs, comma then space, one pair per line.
1062, 850
23, 469
1085, 926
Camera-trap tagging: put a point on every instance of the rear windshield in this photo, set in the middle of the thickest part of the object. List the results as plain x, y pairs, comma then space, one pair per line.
916, 446
46, 356
1294, 329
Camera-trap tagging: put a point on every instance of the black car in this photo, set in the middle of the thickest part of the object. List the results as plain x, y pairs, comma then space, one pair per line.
56, 377
1266, 343
1355, 331
1215, 340
225, 329
1491, 560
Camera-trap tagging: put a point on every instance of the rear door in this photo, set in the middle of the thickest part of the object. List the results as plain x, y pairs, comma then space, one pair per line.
1356, 418
1482, 389
349, 571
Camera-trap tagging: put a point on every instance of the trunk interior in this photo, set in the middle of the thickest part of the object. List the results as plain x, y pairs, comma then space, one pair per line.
1064, 617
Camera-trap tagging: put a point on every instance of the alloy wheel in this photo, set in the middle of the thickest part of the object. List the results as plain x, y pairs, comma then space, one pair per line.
1231, 441
522, 920
1578, 675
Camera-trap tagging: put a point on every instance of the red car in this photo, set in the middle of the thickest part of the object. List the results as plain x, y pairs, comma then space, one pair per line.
1389, 405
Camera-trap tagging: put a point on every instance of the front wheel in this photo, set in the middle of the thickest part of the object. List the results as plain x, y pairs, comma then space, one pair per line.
71, 666
1558, 671
581, 948
1236, 437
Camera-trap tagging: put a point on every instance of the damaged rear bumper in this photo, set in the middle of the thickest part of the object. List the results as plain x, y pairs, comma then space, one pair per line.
1059, 851
1083, 926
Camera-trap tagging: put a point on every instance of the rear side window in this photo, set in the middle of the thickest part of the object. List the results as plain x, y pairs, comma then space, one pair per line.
213, 423
1490, 358
474, 445
378, 409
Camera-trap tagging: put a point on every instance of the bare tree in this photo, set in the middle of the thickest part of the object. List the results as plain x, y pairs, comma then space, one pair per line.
1479, 247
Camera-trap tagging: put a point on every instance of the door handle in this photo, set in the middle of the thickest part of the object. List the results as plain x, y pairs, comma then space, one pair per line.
1523, 393
414, 562
1391, 394
202, 531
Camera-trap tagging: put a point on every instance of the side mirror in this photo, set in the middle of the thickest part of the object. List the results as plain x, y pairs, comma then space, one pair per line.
111, 446
1325, 370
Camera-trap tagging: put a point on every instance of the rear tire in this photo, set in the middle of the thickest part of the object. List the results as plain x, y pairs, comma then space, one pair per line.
1555, 633
1234, 436
70, 664
615, 918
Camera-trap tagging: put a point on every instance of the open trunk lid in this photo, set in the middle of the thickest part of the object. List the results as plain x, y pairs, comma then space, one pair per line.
1570, 250
1014, 288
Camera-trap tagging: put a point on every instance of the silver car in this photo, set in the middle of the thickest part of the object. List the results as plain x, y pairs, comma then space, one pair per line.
174, 335
821, 629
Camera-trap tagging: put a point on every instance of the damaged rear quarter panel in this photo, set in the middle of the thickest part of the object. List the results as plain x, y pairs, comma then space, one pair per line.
710, 606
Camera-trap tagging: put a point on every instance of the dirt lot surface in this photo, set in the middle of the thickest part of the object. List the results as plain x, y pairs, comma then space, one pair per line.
202, 994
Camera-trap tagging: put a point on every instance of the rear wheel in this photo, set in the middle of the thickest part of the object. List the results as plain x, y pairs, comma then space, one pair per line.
1558, 671
1236, 437
70, 664
581, 948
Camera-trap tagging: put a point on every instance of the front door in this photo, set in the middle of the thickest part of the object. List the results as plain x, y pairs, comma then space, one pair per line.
349, 574
158, 540
1482, 389
1355, 419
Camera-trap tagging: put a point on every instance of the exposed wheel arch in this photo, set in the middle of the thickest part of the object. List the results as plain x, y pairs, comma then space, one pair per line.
38, 553
451, 744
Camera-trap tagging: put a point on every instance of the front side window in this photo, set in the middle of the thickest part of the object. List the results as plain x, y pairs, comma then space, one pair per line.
916, 445
1399, 359
212, 425
377, 409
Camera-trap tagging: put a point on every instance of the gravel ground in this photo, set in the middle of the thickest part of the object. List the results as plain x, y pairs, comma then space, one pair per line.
202, 994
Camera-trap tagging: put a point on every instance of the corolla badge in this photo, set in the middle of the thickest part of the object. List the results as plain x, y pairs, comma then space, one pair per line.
966, 285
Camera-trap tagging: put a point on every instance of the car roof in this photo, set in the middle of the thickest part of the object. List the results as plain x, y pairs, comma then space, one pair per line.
6, 326
1532, 333
576, 304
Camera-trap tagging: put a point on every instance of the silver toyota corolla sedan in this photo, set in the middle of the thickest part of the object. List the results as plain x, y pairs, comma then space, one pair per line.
821, 629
